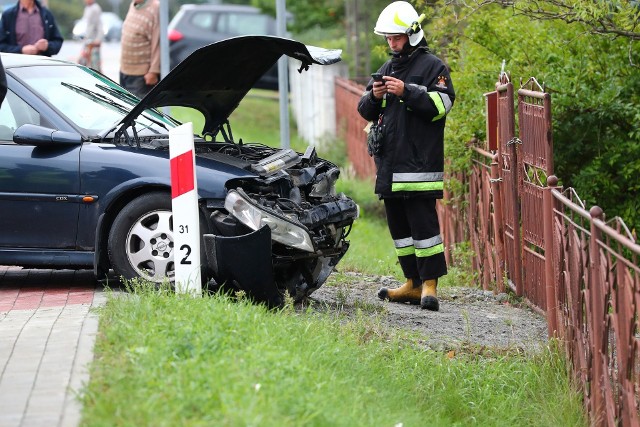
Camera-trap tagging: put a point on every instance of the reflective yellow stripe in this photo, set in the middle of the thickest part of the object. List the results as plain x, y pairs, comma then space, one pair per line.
417, 176
408, 250
422, 253
398, 21
417, 186
435, 97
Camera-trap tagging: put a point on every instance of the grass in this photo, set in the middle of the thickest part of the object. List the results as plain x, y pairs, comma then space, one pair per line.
170, 360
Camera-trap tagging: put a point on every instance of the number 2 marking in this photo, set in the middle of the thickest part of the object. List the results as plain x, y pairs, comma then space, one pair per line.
188, 249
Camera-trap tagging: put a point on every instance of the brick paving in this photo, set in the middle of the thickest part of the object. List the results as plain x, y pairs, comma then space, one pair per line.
47, 332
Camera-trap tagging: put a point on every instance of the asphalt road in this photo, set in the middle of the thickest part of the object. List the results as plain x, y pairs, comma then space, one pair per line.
110, 52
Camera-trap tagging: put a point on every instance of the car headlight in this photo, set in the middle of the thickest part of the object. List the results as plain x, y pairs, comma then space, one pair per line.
255, 217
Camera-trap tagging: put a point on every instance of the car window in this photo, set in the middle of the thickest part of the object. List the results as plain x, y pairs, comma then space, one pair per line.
14, 113
203, 20
82, 110
243, 24
89, 100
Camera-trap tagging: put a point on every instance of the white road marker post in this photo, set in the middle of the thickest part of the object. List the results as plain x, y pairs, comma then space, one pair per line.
184, 204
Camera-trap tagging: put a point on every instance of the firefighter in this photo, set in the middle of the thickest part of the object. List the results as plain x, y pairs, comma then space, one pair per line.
408, 108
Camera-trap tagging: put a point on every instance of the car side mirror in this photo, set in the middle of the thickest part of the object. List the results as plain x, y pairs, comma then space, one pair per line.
41, 136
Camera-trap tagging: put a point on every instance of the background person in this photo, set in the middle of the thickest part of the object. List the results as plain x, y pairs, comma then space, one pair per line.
29, 28
414, 98
140, 47
90, 55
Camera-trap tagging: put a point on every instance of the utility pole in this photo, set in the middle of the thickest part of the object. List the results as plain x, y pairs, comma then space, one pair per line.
283, 76
164, 45
164, 41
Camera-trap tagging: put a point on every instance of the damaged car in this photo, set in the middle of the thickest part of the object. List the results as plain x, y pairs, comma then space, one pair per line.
85, 176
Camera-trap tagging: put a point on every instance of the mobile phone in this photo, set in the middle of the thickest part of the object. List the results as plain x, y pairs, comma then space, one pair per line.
377, 77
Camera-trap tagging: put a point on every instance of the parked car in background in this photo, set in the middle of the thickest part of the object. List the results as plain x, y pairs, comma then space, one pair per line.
198, 25
85, 177
111, 25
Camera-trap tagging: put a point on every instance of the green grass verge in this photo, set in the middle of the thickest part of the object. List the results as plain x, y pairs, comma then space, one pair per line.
171, 360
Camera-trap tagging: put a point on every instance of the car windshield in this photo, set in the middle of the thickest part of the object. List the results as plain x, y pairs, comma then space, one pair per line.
89, 100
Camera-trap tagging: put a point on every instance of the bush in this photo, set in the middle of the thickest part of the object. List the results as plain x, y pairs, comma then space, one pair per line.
593, 86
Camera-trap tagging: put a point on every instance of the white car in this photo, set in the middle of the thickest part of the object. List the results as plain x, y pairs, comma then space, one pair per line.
111, 25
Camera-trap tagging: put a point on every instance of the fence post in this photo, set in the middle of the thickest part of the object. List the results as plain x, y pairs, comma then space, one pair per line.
551, 294
597, 308
497, 221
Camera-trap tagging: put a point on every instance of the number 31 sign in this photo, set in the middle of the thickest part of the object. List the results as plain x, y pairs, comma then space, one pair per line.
184, 204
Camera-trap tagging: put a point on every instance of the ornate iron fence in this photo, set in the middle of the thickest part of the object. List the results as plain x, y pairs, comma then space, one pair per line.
568, 262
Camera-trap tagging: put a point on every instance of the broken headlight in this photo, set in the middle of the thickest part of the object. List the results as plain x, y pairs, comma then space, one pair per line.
283, 230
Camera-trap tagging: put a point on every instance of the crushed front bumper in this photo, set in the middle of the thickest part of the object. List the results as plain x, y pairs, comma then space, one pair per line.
245, 262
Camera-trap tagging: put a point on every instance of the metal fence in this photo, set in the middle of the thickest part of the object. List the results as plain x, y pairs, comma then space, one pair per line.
350, 126
541, 242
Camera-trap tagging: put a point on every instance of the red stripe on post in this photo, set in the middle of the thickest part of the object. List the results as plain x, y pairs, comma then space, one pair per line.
182, 174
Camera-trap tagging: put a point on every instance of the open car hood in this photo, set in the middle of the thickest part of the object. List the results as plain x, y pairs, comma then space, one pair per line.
215, 78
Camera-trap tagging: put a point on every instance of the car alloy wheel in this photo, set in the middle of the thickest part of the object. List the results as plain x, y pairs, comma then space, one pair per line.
141, 239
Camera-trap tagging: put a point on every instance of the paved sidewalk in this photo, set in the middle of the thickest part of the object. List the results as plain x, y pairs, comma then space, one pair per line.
47, 333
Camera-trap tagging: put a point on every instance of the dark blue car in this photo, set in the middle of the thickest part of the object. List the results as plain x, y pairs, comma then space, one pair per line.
85, 176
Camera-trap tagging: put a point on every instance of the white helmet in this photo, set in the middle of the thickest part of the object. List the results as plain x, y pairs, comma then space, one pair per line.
398, 18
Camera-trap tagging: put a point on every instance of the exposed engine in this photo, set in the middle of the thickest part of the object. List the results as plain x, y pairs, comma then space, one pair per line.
285, 216
294, 194
298, 187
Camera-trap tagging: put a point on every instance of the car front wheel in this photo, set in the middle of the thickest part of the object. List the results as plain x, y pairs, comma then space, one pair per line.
141, 239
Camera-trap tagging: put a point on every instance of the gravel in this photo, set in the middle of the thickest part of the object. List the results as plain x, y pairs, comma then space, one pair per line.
467, 316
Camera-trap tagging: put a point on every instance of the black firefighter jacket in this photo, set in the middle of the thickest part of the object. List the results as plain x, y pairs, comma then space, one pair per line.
411, 162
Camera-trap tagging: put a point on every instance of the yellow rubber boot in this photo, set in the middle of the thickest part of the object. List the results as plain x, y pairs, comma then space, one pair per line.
405, 293
429, 295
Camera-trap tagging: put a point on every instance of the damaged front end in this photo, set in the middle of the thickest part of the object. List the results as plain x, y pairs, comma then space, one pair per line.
283, 231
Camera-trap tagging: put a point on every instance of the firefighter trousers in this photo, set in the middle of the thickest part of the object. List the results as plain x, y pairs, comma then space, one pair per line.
415, 230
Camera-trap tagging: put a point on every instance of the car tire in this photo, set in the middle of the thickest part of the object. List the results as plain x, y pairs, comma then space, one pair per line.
141, 239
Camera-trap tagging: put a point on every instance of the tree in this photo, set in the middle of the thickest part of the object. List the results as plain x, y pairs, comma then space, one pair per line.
594, 85
618, 18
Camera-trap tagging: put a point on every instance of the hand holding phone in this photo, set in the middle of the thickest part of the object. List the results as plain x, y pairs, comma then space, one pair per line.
378, 90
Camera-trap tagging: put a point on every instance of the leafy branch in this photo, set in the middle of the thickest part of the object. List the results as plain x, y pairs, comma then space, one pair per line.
616, 18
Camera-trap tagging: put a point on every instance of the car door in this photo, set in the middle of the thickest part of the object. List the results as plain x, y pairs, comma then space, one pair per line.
39, 186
